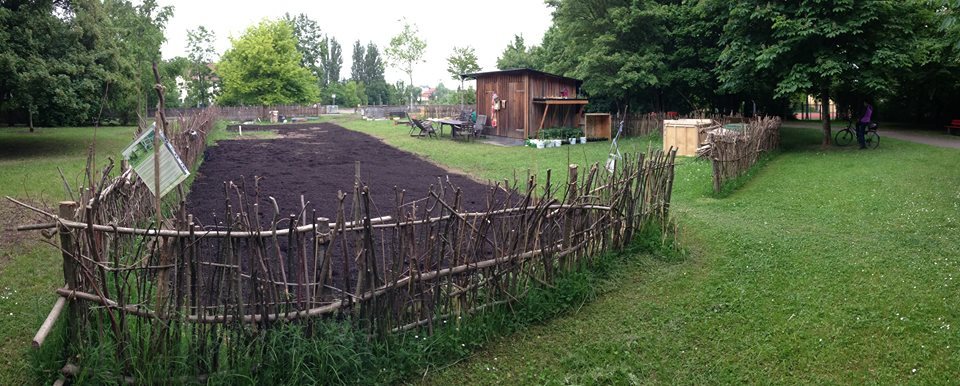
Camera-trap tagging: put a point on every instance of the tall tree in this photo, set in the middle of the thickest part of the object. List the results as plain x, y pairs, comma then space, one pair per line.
463, 60
376, 87
808, 47
334, 61
201, 54
517, 55
264, 67
311, 44
406, 49
357, 67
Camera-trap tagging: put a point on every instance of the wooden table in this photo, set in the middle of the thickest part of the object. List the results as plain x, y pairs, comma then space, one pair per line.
455, 124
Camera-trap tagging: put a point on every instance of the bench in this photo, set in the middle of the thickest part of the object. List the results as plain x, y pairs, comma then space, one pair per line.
954, 124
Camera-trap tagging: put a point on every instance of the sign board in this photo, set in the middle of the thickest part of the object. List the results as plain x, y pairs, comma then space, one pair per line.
140, 155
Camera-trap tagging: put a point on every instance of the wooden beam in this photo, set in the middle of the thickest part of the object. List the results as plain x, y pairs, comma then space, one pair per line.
544, 118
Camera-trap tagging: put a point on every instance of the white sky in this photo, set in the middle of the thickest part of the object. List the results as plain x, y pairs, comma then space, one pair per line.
488, 26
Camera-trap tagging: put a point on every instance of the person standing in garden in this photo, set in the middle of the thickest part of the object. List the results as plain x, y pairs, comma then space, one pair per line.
863, 123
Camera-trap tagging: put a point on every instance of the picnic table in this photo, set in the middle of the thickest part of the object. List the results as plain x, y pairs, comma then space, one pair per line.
455, 124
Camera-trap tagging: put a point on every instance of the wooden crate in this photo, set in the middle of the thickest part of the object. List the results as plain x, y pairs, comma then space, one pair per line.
597, 125
684, 134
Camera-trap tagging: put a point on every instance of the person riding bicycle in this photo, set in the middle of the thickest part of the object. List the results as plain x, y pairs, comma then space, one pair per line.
863, 123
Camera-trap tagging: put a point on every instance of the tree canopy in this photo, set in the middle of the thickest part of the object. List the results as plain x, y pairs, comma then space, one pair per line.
406, 50
264, 67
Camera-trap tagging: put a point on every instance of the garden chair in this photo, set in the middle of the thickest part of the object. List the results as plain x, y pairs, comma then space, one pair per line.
426, 128
478, 125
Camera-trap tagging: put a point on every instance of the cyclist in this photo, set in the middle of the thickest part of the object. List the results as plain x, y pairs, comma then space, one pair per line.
863, 123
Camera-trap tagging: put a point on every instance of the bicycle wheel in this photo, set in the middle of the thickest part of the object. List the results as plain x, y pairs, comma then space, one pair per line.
843, 138
872, 139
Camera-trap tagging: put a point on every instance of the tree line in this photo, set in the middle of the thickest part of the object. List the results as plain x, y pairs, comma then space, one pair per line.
755, 55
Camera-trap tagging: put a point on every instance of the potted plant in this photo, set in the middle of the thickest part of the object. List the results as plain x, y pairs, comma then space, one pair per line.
583, 137
571, 135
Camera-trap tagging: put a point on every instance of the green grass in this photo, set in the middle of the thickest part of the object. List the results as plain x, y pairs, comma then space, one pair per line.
29, 269
29, 161
829, 266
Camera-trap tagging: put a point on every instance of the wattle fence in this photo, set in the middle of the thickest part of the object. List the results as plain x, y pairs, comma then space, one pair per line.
140, 289
733, 152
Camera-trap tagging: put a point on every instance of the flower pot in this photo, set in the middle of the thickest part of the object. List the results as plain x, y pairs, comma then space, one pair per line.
583, 139
557, 142
539, 144
572, 141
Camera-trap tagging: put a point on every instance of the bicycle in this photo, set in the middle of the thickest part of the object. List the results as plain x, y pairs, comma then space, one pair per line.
847, 136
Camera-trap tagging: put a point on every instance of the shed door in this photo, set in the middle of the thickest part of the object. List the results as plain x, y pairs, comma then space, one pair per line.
517, 97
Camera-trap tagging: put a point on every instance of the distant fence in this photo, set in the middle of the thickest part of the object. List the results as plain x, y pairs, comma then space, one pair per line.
251, 113
734, 151
642, 124
420, 111
186, 289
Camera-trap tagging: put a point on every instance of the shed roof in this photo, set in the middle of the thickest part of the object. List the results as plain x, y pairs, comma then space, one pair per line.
515, 71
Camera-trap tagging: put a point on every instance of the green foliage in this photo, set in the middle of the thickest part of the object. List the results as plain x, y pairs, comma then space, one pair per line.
311, 44
406, 50
463, 60
200, 52
64, 62
357, 67
560, 133
376, 86
333, 62
517, 55
264, 67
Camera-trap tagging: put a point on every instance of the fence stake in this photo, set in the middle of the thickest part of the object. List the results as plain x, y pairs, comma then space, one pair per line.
67, 211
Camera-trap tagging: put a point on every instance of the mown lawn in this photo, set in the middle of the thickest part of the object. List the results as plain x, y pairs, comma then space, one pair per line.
29, 269
836, 266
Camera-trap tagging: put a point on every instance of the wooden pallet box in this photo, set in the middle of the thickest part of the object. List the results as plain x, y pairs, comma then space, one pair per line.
685, 134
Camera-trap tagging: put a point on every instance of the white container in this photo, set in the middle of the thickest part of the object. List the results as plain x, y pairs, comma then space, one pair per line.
583, 140
572, 141
539, 143
557, 142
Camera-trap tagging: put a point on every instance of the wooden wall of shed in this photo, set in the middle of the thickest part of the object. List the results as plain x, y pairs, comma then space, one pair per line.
509, 87
549, 87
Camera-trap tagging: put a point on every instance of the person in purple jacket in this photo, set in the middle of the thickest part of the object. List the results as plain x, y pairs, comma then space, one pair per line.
863, 123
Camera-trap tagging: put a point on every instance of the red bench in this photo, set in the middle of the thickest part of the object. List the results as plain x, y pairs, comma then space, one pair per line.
954, 124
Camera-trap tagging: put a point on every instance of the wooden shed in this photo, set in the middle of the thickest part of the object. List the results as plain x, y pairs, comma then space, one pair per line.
520, 102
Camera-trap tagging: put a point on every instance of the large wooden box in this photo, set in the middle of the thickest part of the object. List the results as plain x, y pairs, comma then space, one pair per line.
685, 134
597, 125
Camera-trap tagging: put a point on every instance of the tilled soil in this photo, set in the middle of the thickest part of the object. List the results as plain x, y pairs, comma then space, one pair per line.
317, 160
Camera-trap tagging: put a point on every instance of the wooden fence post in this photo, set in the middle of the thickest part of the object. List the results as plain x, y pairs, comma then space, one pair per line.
67, 211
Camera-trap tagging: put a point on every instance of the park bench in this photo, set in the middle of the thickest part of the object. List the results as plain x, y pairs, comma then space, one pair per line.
954, 124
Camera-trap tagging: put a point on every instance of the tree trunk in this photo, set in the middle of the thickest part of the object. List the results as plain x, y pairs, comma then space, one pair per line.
825, 115
30, 110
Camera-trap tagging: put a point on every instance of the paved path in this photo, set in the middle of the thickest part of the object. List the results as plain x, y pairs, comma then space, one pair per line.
918, 136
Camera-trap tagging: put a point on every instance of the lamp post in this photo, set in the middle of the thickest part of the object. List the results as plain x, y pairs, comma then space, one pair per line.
334, 98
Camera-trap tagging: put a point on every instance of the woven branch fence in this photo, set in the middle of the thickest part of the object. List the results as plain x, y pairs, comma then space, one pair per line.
642, 124
734, 152
150, 289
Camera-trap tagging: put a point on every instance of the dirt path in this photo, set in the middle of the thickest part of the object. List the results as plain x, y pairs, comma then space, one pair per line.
931, 138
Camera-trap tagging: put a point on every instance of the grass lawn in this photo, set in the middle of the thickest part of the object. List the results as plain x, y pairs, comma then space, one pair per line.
837, 266
29, 269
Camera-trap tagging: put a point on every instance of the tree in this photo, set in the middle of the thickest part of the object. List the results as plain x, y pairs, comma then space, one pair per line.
517, 55
333, 62
376, 86
357, 67
201, 53
311, 44
72, 60
264, 67
406, 49
808, 47
462, 61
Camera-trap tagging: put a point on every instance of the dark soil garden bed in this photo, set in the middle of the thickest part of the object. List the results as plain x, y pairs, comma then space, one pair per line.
317, 160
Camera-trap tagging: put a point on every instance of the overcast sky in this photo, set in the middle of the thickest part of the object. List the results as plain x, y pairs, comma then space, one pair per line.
488, 26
